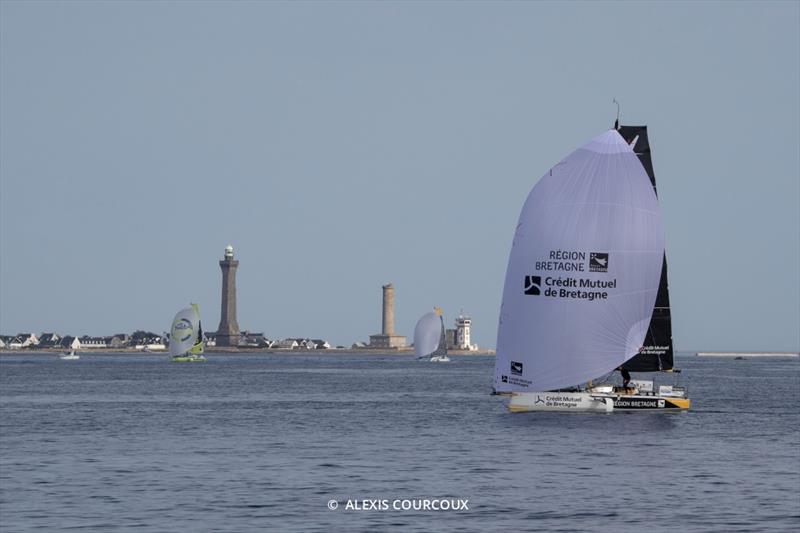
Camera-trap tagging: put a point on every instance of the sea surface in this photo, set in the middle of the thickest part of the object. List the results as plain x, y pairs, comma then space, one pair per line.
263, 442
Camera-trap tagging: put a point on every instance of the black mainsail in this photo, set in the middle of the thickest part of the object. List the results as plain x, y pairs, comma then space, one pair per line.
441, 349
657, 352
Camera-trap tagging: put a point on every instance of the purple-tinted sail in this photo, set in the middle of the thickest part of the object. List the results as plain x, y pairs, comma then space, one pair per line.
427, 334
583, 273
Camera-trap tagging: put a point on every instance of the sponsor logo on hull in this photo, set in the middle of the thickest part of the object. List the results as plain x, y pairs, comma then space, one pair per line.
557, 401
651, 403
565, 401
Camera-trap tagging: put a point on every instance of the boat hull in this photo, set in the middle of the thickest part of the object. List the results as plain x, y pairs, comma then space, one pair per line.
591, 402
188, 359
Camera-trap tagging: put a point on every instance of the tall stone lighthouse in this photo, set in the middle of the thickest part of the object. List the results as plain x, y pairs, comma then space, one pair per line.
228, 330
387, 338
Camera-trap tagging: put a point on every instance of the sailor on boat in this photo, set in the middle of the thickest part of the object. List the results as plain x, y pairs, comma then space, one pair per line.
626, 378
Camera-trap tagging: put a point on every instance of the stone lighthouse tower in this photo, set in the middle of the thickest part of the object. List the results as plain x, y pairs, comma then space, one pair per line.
228, 330
387, 338
388, 310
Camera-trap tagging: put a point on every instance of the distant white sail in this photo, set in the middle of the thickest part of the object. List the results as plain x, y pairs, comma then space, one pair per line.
427, 334
583, 272
184, 331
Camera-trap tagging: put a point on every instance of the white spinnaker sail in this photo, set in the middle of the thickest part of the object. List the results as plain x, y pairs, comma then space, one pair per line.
583, 272
427, 333
184, 331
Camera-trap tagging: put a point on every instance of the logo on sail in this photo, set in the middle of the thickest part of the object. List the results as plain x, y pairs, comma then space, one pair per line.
598, 262
532, 284
516, 368
182, 327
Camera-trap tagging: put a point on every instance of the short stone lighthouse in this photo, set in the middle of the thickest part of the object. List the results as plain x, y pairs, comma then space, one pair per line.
387, 338
228, 330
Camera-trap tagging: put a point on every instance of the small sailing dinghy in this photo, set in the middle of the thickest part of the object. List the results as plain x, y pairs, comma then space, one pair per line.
69, 356
429, 338
586, 286
186, 336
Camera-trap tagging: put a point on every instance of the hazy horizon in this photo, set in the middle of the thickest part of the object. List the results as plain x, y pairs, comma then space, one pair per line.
340, 146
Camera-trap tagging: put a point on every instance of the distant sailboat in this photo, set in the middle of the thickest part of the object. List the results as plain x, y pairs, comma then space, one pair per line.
585, 291
69, 356
186, 336
429, 338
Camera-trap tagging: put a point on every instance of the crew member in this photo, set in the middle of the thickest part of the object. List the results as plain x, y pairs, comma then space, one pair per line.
626, 377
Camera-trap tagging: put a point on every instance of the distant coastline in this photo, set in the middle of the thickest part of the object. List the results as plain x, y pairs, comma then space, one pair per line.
247, 349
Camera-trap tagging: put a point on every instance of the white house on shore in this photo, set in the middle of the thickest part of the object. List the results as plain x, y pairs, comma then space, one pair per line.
28, 339
153, 344
285, 344
71, 343
49, 340
320, 344
88, 342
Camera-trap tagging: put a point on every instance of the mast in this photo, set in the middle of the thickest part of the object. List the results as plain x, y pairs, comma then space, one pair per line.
657, 351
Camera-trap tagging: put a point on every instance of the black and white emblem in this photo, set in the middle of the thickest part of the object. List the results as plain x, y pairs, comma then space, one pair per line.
532, 284
598, 262
516, 368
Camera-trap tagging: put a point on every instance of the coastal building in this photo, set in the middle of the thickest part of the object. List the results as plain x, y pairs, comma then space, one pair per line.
303, 344
27, 340
460, 338
211, 338
120, 340
253, 340
387, 338
93, 342
49, 340
13, 342
71, 343
463, 332
146, 341
228, 331
298, 343
285, 344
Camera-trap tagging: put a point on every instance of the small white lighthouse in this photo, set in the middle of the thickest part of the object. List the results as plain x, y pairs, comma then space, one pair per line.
463, 340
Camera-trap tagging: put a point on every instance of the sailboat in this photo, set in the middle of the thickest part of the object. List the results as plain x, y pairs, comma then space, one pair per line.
429, 338
69, 356
586, 286
186, 336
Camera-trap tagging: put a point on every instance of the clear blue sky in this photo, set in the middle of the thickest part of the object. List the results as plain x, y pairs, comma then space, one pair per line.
340, 146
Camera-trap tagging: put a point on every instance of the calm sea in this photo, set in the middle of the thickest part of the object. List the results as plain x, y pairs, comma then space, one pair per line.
264, 442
